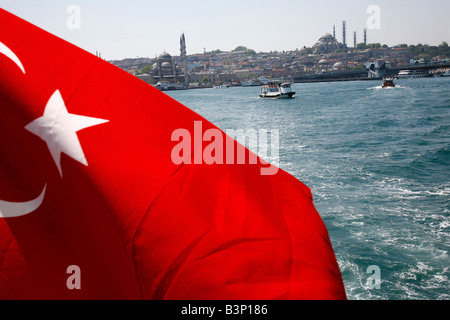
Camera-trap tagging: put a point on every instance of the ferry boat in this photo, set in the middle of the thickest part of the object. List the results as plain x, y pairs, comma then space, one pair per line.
164, 86
220, 86
277, 90
250, 83
255, 82
388, 82
403, 74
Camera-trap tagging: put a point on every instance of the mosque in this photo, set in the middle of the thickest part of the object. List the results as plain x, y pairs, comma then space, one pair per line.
166, 68
326, 44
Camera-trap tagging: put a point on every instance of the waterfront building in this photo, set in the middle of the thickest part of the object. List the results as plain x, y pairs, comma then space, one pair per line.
206, 76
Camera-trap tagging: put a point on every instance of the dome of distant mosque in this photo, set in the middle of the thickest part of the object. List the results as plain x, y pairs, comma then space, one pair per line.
165, 55
327, 36
323, 61
338, 65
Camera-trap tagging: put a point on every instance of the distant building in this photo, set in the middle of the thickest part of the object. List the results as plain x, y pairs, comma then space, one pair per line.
165, 68
208, 76
327, 43
242, 74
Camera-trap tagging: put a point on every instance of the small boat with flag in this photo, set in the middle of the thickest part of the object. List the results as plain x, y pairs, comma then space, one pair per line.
388, 82
277, 90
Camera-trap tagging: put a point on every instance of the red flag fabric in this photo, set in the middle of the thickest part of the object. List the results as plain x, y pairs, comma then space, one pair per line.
92, 205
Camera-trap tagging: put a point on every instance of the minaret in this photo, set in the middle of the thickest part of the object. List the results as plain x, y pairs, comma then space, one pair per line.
365, 36
334, 31
354, 39
184, 59
343, 34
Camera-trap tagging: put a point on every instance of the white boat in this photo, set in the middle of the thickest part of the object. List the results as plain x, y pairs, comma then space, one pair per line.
446, 73
250, 83
255, 82
163, 86
404, 74
221, 86
277, 90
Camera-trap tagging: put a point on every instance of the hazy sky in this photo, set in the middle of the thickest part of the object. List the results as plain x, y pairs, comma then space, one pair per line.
127, 29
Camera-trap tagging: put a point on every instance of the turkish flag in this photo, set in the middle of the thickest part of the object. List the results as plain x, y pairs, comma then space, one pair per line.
93, 206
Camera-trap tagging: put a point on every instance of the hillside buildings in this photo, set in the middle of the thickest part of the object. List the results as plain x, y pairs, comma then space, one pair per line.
326, 55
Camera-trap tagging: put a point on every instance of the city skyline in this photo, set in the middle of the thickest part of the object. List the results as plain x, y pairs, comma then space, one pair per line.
119, 29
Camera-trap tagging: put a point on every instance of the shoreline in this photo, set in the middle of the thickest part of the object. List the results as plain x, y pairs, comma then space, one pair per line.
309, 80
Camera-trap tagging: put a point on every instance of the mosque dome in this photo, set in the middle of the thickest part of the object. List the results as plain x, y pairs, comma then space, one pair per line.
323, 61
338, 66
165, 55
166, 64
327, 37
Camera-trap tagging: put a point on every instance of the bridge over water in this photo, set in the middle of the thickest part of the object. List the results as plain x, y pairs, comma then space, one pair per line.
374, 71
427, 66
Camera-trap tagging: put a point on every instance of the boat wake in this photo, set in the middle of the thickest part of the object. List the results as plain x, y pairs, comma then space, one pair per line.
387, 88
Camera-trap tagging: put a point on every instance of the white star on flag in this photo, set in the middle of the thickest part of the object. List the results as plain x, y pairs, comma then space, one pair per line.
57, 127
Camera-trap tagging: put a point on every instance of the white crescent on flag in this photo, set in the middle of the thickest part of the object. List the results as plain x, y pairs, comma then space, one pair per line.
11, 55
17, 209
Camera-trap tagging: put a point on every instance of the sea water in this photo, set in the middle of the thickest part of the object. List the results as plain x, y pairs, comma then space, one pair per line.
378, 163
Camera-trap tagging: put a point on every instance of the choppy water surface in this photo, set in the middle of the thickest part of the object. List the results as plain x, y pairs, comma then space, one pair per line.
378, 163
